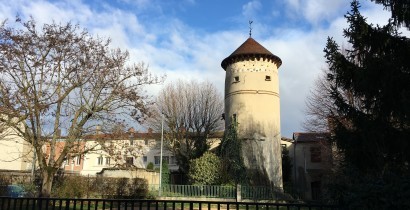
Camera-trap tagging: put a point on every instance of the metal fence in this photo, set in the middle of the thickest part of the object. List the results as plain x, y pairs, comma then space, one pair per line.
218, 191
208, 191
8, 203
259, 193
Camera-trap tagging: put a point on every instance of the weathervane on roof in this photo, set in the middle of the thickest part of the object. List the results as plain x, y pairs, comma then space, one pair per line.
250, 28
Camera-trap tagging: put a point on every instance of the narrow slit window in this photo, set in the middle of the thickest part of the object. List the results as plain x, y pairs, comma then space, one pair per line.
267, 78
236, 79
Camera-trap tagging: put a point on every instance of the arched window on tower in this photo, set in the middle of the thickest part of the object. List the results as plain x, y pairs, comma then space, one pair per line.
236, 79
267, 78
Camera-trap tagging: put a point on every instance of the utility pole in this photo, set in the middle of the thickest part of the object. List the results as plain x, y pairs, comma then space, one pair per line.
160, 160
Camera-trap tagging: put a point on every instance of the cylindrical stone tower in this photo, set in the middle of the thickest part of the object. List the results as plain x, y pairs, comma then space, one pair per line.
252, 100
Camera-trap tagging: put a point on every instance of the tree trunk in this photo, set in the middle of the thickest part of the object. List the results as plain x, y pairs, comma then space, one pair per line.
47, 183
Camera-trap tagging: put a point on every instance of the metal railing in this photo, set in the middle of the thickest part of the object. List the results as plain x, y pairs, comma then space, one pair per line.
8, 203
218, 191
208, 191
258, 193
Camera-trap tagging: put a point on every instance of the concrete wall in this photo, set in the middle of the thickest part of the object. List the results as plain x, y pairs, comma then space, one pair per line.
252, 94
151, 176
90, 164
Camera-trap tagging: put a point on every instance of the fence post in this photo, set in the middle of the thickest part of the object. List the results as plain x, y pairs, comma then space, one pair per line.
238, 193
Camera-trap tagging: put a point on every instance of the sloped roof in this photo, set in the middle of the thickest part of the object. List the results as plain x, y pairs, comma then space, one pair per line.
310, 137
250, 48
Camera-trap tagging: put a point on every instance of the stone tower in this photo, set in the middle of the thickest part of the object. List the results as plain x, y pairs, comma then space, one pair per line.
252, 100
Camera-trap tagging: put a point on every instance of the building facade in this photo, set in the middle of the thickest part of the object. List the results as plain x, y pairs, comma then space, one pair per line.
252, 101
16, 153
312, 159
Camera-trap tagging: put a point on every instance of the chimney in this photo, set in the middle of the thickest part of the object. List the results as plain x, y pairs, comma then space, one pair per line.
98, 129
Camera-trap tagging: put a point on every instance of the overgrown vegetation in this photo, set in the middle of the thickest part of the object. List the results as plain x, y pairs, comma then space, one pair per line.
286, 170
233, 169
99, 187
368, 87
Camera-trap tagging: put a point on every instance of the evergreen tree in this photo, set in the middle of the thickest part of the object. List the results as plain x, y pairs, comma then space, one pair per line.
372, 126
165, 174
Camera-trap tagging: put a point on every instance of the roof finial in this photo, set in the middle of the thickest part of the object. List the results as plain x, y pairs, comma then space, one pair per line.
250, 28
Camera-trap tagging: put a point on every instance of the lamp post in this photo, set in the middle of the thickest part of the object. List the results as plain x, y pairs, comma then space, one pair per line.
160, 160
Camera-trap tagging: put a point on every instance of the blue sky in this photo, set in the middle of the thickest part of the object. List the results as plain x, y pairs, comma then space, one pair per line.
188, 39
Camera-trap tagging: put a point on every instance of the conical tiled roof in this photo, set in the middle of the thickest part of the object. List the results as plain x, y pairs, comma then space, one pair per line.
250, 48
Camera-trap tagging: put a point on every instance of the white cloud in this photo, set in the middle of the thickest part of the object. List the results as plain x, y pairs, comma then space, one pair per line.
173, 48
250, 9
317, 11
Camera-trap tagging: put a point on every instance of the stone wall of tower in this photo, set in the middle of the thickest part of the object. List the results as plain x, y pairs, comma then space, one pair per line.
252, 96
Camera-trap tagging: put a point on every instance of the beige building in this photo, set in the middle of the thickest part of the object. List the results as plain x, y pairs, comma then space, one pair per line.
15, 153
311, 155
252, 100
130, 150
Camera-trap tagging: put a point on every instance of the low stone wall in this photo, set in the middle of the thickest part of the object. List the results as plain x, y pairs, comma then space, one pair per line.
152, 177
15, 177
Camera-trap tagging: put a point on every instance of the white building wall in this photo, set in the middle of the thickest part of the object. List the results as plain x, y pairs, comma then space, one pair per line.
15, 153
91, 164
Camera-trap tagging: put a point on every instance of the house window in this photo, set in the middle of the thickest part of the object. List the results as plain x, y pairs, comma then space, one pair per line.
100, 160
236, 79
165, 159
107, 161
172, 160
267, 78
129, 160
156, 160
145, 158
78, 160
315, 155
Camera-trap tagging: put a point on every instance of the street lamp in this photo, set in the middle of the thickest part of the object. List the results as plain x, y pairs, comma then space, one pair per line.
160, 160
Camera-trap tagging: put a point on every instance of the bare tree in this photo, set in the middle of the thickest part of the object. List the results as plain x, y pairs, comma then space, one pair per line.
191, 112
321, 109
319, 106
59, 78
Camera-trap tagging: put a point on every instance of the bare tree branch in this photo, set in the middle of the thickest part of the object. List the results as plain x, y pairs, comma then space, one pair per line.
59, 78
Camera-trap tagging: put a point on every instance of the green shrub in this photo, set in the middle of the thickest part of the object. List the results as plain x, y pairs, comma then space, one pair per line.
205, 170
135, 188
70, 187
150, 166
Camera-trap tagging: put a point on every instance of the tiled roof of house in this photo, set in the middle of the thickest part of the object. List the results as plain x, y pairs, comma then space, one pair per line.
110, 136
250, 48
310, 137
136, 135
286, 139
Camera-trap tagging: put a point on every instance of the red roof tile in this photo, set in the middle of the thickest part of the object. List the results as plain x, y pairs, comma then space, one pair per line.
250, 48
